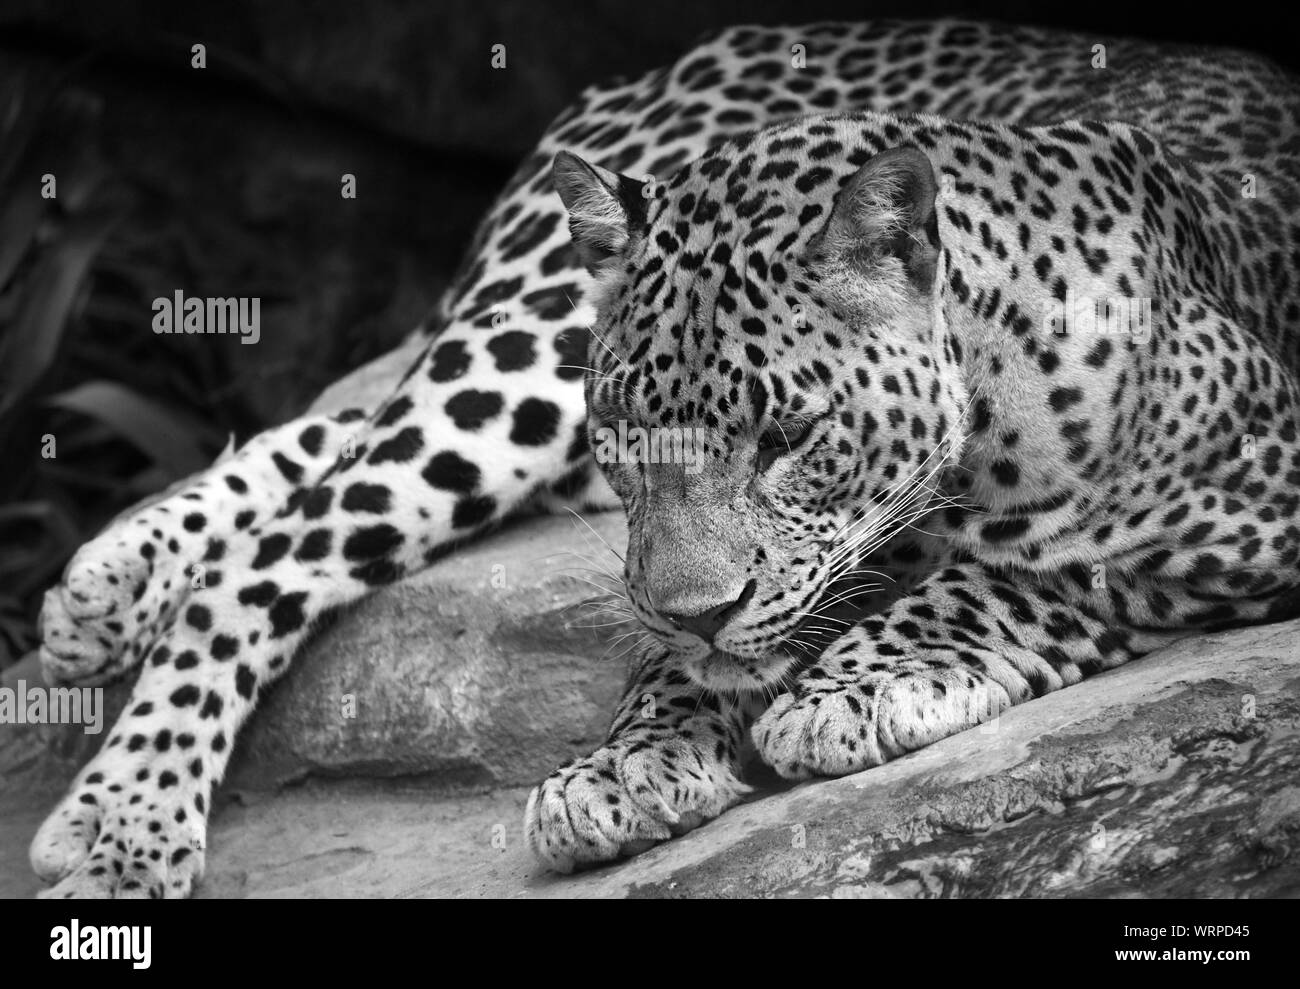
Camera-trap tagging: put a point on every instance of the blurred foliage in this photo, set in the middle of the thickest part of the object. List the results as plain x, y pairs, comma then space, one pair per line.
85, 429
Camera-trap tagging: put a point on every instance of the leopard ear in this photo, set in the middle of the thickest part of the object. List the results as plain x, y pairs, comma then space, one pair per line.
606, 210
886, 210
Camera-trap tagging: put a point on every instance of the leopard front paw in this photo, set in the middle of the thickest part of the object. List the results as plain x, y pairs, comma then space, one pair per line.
818, 734
118, 593
124, 830
841, 725
623, 799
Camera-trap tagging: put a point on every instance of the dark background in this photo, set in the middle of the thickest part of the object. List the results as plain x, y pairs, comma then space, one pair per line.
226, 182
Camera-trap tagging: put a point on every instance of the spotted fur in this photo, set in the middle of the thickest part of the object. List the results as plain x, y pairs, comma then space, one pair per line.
844, 275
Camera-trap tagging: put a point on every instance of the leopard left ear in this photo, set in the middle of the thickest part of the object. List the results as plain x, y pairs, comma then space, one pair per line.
605, 209
886, 210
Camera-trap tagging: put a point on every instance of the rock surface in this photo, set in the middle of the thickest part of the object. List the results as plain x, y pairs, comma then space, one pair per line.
1178, 775
482, 670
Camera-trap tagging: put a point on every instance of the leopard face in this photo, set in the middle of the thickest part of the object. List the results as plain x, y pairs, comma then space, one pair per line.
774, 342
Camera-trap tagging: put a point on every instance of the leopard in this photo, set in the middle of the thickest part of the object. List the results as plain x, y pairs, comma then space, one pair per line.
987, 339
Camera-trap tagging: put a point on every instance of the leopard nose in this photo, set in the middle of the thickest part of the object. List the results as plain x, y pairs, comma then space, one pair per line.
708, 624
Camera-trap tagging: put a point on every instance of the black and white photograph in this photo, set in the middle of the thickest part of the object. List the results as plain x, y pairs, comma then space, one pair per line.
535, 450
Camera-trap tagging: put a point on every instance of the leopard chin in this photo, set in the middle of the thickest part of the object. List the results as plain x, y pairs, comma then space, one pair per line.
722, 672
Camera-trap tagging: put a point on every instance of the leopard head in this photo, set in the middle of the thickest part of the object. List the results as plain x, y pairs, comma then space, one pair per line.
769, 392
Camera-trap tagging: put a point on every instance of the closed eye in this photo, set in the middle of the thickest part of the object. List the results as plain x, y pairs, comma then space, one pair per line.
782, 438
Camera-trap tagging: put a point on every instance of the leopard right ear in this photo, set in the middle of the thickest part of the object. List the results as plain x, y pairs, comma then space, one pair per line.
606, 210
887, 210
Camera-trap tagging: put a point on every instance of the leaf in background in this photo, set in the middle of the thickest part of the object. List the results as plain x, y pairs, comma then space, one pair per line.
37, 536
174, 441
19, 217
28, 349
